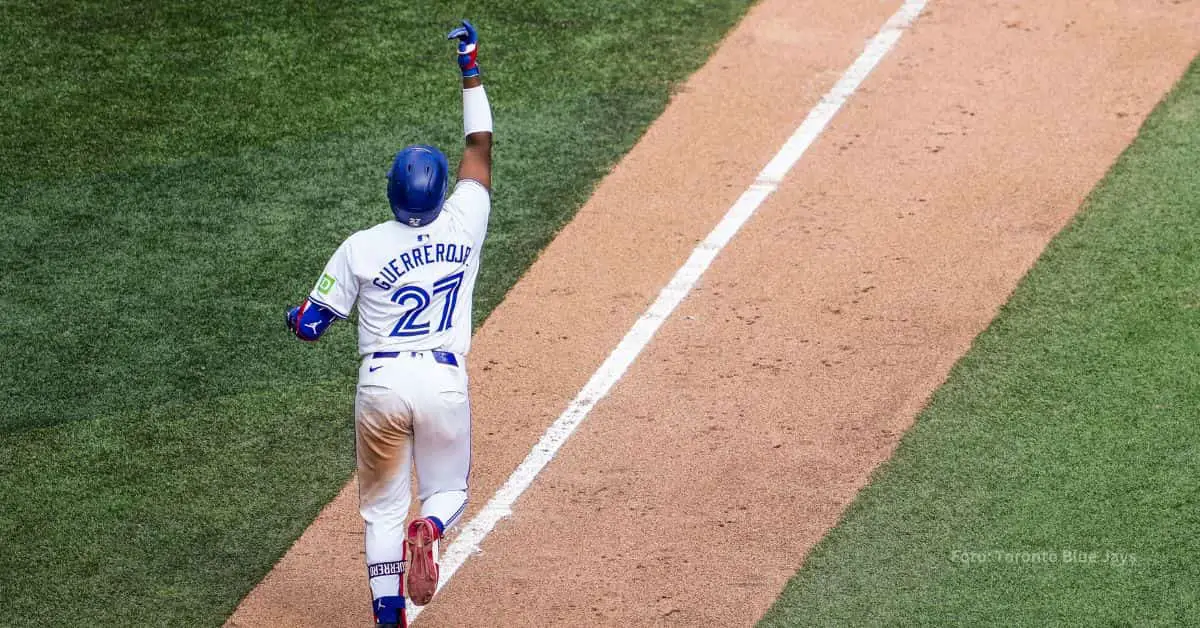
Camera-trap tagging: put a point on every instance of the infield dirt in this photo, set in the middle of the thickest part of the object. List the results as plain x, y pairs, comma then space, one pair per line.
694, 490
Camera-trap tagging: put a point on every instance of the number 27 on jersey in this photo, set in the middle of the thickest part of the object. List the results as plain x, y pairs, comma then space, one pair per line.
417, 300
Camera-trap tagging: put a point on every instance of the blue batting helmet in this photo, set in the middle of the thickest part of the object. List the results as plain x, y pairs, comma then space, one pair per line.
417, 184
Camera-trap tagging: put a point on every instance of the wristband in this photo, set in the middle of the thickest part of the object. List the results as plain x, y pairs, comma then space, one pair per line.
477, 112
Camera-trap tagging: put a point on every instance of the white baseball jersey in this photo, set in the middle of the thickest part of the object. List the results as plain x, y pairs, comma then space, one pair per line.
414, 285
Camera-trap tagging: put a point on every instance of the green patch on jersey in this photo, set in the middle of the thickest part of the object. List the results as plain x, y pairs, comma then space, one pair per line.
326, 284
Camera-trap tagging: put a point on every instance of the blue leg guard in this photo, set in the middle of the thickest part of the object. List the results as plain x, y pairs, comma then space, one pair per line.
390, 610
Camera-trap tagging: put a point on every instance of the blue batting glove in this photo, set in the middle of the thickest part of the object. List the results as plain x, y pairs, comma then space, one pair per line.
292, 314
468, 41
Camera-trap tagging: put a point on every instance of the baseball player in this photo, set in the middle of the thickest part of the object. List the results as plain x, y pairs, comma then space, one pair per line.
413, 279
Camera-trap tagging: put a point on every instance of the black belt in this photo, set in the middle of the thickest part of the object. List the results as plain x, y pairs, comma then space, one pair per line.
444, 357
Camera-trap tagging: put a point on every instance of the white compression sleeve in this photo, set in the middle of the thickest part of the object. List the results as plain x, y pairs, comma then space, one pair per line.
477, 112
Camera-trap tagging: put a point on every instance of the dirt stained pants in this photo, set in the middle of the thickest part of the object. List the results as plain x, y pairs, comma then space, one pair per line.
410, 406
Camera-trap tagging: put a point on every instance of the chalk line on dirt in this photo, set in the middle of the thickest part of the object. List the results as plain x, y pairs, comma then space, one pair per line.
639, 336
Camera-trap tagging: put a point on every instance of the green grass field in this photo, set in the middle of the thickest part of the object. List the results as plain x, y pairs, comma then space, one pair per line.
1055, 478
171, 177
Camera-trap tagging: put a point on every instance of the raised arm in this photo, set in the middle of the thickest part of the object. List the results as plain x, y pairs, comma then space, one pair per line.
477, 112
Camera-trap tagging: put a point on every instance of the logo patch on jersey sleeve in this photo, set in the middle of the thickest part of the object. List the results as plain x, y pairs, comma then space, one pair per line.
326, 284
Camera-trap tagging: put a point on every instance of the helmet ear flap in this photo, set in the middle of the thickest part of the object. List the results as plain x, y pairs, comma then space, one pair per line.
417, 184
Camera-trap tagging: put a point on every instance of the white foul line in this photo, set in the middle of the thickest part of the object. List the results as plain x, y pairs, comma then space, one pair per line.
500, 506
